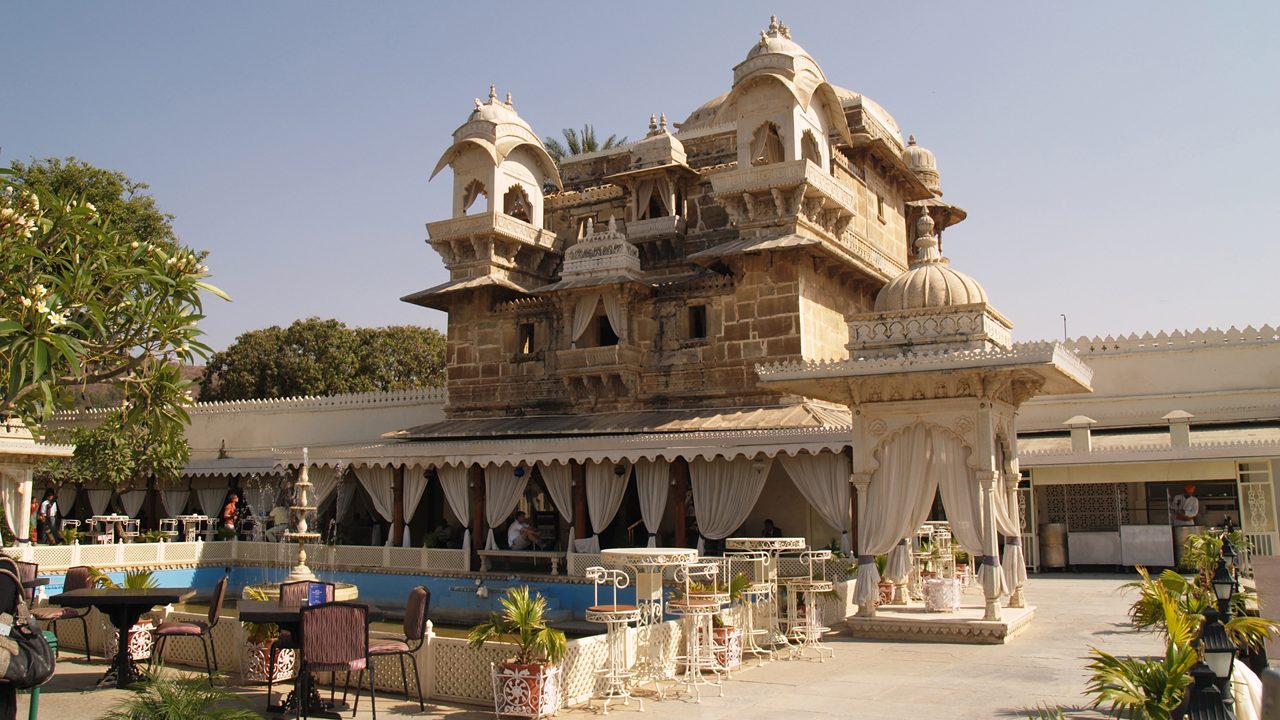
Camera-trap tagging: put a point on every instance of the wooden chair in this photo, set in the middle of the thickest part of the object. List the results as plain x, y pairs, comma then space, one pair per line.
335, 639
415, 633
195, 628
77, 578
27, 572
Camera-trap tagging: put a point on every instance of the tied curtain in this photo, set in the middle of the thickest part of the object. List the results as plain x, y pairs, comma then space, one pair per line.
653, 479
503, 486
211, 500
415, 484
823, 480
605, 489
175, 501
585, 310
67, 499
379, 482
559, 481
963, 501
323, 480
724, 493
99, 499
898, 500
1013, 564
13, 502
453, 480
131, 501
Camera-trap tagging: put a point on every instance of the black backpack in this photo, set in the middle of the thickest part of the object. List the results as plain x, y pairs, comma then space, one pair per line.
25, 656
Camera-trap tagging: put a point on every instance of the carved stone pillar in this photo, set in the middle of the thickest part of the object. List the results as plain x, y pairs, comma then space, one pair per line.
861, 482
992, 574
1016, 599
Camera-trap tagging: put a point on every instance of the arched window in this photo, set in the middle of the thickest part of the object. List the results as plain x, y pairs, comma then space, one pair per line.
766, 145
516, 204
809, 149
472, 192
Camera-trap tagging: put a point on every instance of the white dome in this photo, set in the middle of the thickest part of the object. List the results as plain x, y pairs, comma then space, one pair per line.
931, 282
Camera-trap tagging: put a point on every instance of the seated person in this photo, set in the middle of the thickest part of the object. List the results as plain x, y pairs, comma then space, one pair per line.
771, 530
521, 535
279, 516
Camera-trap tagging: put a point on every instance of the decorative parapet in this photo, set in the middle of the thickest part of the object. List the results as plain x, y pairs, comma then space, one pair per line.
309, 402
491, 223
656, 228
572, 198
928, 326
1177, 340
598, 357
784, 174
1224, 448
1020, 353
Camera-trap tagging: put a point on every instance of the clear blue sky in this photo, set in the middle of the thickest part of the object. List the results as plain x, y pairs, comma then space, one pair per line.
1118, 160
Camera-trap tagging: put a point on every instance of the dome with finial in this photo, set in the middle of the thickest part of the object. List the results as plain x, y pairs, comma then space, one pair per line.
777, 53
495, 126
658, 147
777, 39
922, 162
931, 282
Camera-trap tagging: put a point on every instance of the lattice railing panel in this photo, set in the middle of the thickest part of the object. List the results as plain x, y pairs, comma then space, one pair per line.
404, 557
98, 555
579, 562
442, 559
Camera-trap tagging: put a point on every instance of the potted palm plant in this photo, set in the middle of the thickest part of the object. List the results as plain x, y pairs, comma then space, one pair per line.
884, 588
527, 684
259, 639
139, 638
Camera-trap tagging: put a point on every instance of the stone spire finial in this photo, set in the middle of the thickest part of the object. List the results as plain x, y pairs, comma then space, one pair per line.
591, 226
662, 124
653, 124
493, 94
773, 24
479, 104
911, 139
784, 31
613, 225
926, 244
509, 100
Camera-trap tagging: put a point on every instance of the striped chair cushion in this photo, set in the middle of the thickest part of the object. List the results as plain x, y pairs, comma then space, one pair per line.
174, 627
335, 637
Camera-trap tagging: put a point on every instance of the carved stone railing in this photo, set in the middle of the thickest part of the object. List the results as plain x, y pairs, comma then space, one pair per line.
783, 175
492, 223
599, 357
1176, 340
656, 228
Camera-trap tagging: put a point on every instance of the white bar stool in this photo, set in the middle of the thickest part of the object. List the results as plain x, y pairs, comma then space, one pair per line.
616, 676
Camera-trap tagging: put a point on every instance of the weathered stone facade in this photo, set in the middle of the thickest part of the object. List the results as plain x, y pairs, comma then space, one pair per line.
770, 216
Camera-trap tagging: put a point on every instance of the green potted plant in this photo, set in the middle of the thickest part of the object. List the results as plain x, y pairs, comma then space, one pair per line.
727, 638
70, 536
139, 638
526, 684
884, 588
259, 639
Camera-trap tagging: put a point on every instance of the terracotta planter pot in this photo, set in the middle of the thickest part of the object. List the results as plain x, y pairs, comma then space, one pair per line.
885, 593
728, 644
530, 691
257, 659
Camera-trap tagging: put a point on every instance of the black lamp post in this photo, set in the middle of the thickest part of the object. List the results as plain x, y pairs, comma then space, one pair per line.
1219, 657
1223, 587
1205, 699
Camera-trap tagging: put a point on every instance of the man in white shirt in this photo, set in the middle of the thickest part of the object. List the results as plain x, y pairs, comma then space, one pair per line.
520, 536
1186, 507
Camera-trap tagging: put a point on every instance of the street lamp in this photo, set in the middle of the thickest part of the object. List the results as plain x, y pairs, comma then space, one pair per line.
1205, 699
1223, 587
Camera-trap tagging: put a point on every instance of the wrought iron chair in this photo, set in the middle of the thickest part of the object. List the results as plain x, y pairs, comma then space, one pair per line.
67, 523
616, 675
195, 628
415, 633
169, 529
100, 533
335, 639
132, 529
77, 578
292, 594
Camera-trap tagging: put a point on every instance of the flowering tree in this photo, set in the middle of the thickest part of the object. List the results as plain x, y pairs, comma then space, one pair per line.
83, 301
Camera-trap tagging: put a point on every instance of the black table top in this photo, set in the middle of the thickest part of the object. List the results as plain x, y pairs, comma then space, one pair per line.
272, 611
102, 597
37, 582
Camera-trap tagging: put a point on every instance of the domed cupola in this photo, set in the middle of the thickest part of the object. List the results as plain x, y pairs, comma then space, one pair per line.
922, 162
931, 307
657, 148
931, 282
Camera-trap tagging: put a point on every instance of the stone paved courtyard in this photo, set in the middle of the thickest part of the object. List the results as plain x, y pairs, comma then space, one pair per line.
866, 679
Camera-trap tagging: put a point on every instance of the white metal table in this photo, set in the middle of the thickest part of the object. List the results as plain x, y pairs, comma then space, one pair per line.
762, 595
649, 564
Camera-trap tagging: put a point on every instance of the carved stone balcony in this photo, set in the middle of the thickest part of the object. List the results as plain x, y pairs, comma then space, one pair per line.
495, 240
660, 240
605, 371
788, 193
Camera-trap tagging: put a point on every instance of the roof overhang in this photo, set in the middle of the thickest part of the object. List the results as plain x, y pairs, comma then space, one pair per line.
434, 297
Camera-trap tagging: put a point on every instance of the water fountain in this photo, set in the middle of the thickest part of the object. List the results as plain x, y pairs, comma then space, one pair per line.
301, 533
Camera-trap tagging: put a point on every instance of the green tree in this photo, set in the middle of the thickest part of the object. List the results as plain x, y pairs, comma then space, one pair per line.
324, 357
577, 143
94, 288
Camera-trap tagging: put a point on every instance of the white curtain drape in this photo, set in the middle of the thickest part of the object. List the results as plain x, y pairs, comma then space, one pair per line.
583, 311
604, 495
323, 480
962, 500
98, 500
261, 495
653, 480
1013, 563
415, 484
823, 480
614, 311
453, 480
724, 493
131, 501
67, 499
559, 481
379, 482
210, 500
13, 502
175, 501
898, 499
898, 569
502, 490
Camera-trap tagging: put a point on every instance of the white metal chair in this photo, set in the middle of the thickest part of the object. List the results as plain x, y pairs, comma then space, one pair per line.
169, 529
132, 529
615, 677
702, 601
100, 533
804, 605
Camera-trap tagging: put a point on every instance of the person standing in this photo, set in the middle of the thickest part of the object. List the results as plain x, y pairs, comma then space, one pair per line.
230, 513
1186, 506
47, 519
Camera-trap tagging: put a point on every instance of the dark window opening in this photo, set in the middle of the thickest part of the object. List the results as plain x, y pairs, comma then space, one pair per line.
527, 339
516, 204
656, 207
606, 334
697, 322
